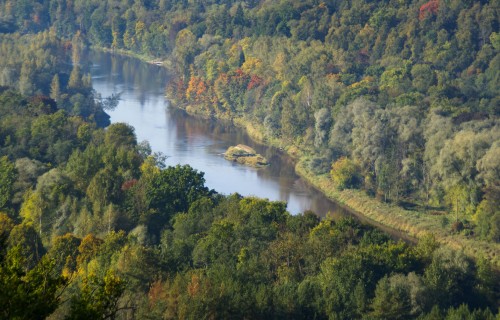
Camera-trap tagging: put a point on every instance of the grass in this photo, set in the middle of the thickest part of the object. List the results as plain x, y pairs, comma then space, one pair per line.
412, 223
245, 155
254, 132
408, 224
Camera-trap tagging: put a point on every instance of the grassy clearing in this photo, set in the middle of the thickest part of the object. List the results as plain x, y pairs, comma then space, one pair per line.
409, 222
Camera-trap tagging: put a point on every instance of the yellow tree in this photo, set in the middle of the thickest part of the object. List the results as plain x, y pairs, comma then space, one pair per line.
55, 88
345, 173
32, 209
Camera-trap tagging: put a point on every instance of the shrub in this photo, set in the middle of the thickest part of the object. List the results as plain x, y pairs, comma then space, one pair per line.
345, 174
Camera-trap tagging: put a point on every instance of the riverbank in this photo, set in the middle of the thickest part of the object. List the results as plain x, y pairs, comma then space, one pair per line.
390, 218
409, 225
415, 224
164, 63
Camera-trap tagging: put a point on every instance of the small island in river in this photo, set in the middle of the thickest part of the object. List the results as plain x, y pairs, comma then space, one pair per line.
245, 155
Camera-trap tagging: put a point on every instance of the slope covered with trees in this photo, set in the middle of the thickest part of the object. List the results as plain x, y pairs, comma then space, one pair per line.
399, 98
404, 91
101, 229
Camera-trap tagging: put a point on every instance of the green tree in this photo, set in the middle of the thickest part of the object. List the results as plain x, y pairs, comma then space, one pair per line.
457, 199
448, 277
100, 29
26, 83
55, 88
32, 294
75, 78
7, 179
77, 47
120, 134
323, 122
400, 297
64, 251
98, 298
487, 216
6, 225
345, 174
25, 237
185, 50
82, 166
170, 191
103, 189
422, 77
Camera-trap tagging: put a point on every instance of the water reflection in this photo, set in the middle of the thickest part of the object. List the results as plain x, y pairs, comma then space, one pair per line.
198, 142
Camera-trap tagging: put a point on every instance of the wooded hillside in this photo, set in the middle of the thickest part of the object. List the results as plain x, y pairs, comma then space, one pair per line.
406, 92
398, 98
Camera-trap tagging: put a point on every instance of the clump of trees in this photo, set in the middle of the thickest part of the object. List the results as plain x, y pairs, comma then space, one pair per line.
102, 229
424, 73
401, 97
50, 70
345, 174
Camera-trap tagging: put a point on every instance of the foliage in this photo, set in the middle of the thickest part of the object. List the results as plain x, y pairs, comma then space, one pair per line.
7, 178
345, 174
401, 95
131, 238
98, 298
28, 294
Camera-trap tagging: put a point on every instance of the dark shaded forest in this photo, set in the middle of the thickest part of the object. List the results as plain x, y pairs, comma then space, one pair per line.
397, 98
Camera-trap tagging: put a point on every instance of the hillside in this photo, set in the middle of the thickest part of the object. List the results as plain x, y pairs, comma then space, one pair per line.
391, 107
92, 225
405, 90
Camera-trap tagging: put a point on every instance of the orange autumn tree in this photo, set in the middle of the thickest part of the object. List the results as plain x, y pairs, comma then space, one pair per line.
428, 8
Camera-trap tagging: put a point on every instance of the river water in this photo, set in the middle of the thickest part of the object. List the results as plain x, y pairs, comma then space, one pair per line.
198, 142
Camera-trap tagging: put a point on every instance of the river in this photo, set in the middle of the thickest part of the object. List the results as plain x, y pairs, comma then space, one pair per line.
185, 139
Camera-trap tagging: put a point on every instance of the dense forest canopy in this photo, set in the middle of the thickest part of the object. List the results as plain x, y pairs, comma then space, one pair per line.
404, 91
398, 98
101, 229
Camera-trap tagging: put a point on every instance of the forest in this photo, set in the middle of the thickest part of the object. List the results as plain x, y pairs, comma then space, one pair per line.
397, 98
94, 226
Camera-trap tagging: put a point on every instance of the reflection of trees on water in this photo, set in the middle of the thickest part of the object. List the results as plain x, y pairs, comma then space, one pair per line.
144, 84
132, 73
281, 170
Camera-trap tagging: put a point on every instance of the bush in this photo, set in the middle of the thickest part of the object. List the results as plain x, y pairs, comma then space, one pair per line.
457, 226
345, 174
319, 165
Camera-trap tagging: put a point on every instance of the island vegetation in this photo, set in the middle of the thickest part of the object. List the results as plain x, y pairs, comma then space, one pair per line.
245, 155
390, 106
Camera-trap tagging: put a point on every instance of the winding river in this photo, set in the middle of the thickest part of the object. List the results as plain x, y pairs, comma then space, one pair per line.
198, 142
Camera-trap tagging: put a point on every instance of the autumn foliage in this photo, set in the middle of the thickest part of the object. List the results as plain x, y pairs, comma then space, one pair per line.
255, 81
129, 184
429, 8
